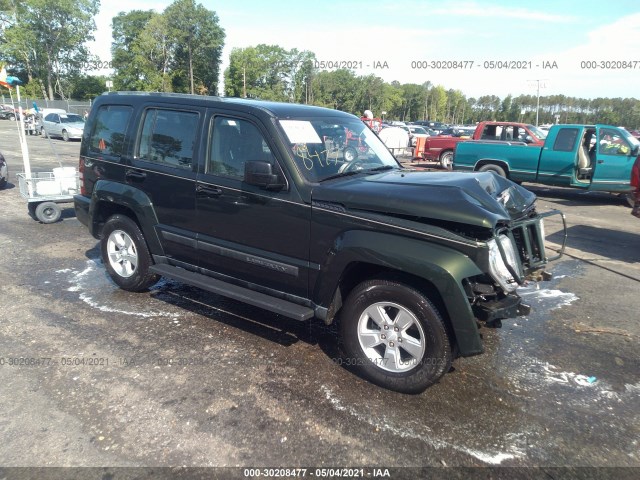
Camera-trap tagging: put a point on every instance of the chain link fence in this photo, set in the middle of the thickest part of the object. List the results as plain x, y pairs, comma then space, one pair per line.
71, 105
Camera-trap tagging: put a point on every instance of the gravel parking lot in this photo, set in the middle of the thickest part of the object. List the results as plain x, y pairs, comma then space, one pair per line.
98, 377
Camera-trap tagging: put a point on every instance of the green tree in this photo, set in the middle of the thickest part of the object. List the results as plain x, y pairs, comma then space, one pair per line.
304, 71
86, 87
46, 39
198, 40
178, 50
270, 72
335, 90
130, 63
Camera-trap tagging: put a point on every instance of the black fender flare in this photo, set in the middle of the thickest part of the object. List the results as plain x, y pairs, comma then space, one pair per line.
107, 192
440, 265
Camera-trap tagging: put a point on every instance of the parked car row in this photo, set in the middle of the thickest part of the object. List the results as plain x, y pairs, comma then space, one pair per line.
63, 125
51, 122
8, 112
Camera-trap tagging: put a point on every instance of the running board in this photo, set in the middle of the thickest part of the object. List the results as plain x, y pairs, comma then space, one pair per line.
257, 299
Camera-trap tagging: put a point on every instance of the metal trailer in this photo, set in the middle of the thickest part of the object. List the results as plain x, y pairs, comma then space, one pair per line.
45, 191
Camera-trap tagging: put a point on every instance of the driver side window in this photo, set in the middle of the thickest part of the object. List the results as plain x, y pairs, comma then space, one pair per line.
233, 142
610, 142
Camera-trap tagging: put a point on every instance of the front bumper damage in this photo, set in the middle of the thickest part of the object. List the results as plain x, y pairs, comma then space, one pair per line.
529, 237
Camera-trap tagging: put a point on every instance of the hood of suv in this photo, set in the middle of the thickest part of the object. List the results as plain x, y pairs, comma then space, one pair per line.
479, 199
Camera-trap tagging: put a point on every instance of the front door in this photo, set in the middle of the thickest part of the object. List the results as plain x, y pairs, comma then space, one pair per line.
247, 234
612, 171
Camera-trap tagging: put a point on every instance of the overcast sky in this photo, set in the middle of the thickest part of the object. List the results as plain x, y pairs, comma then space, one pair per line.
399, 32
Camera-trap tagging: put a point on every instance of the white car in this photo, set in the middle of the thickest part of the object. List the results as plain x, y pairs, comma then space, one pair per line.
415, 132
63, 125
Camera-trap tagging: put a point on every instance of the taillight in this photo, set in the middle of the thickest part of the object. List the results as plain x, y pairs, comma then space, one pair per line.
83, 190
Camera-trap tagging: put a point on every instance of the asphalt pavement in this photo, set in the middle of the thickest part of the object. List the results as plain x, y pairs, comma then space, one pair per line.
93, 376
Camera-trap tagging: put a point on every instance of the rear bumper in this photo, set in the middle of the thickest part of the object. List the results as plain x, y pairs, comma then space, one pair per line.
81, 205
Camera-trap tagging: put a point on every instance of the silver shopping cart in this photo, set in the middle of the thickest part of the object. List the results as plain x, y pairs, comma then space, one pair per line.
45, 191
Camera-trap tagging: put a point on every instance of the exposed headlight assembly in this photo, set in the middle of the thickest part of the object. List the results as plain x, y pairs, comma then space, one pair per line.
497, 266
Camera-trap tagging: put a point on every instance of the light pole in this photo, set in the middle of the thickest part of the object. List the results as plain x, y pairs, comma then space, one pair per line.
538, 80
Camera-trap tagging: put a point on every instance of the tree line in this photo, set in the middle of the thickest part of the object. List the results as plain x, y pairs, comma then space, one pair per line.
180, 50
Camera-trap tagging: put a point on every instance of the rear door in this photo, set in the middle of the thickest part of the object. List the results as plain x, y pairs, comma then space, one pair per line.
163, 167
245, 233
558, 160
52, 124
612, 171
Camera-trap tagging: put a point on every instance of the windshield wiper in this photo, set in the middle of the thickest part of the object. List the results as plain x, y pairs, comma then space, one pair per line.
343, 174
382, 168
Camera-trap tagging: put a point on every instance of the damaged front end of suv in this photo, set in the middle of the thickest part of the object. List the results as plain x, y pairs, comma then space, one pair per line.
514, 253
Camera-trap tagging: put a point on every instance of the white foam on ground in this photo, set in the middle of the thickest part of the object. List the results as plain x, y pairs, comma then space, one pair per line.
78, 281
562, 298
493, 458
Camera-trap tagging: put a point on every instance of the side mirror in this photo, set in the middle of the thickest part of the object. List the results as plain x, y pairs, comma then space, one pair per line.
528, 139
635, 151
261, 175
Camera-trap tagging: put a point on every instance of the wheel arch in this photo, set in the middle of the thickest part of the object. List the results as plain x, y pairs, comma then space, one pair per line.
434, 270
110, 198
492, 161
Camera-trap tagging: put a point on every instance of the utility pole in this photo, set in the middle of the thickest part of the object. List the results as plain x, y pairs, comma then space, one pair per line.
538, 80
244, 82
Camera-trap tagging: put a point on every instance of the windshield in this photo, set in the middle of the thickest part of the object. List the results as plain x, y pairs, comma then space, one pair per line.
541, 134
334, 146
418, 130
71, 118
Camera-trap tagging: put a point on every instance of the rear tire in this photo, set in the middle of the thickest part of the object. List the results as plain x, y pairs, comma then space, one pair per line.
394, 336
446, 160
125, 254
65, 135
490, 167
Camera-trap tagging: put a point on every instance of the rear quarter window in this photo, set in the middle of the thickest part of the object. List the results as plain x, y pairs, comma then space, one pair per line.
566, 140
108, 132
168, 137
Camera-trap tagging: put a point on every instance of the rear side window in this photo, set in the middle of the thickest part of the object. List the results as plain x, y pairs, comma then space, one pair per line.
168, 137
107, 136
566, 140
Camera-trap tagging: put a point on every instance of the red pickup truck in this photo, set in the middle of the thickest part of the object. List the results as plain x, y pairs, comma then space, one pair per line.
441, 147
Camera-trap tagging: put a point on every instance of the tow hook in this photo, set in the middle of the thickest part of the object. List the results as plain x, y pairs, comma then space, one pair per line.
539, 276
524, 309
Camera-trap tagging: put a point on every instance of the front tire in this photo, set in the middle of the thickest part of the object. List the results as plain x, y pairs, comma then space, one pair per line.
126, 255
394, 336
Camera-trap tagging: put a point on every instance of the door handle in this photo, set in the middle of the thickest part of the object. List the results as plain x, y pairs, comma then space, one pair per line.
135, 175
600, 161
208, 192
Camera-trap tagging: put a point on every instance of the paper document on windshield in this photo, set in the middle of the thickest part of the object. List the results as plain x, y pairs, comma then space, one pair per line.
300, 131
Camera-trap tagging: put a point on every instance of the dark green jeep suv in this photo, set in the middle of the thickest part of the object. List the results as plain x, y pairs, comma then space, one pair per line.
303, 211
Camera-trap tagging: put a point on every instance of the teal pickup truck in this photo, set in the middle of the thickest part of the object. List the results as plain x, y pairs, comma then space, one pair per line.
593, 157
